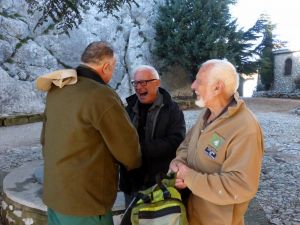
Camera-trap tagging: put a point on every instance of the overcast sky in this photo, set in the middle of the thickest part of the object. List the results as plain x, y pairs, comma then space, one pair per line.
285, 14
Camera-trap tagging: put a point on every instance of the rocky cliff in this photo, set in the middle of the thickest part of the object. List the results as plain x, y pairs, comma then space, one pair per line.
26, 53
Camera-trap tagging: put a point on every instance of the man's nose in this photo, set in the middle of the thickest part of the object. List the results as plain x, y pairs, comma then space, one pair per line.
137, 88
193, 85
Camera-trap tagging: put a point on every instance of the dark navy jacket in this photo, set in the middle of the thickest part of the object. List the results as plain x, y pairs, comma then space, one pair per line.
165, 130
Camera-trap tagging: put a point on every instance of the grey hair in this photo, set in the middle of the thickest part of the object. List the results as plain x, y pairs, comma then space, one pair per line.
96, 51
223, 70
152, 70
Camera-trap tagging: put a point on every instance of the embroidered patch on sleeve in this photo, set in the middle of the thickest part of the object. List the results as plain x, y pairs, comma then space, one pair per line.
216, 141
210, 152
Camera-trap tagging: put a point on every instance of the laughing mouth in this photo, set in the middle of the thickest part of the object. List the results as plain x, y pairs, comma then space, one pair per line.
143, 94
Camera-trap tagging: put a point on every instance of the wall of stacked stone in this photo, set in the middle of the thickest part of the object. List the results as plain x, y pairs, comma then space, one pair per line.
285, 83
277, 94
18, 119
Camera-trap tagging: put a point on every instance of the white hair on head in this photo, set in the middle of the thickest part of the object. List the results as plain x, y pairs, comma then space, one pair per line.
223, 70
152, 70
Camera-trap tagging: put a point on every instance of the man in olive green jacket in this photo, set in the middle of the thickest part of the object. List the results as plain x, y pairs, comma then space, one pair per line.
85, 136
220, 158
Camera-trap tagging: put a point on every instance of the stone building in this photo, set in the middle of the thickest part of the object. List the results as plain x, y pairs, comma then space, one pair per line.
286, 69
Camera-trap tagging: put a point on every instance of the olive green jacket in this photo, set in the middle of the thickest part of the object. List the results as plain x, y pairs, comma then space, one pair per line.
86, 134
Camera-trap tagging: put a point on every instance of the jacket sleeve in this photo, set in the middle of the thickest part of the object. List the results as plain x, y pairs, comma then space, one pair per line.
239, 176
182, 150
167, 145
120, 136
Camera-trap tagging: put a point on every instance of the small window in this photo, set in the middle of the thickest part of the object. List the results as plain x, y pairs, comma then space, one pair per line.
288, 67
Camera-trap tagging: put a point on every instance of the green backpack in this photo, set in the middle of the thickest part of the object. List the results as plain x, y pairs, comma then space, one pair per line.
159, 205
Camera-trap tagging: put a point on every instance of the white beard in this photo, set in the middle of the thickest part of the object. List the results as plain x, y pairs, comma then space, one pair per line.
200, 103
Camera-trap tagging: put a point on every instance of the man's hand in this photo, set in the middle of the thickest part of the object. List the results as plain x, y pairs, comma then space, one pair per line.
180, 169
179, 183
173, 166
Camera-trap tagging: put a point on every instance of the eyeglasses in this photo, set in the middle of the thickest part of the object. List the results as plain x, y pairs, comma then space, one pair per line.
141, 82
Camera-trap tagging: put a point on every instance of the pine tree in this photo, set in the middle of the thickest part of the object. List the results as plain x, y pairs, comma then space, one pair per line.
267, 62
189, 32
265, 50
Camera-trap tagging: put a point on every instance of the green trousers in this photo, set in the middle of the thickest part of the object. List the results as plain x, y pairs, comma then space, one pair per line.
56, 218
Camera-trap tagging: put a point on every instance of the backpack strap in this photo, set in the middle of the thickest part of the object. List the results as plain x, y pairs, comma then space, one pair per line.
161, 176
166, 193
144, 197
163, 180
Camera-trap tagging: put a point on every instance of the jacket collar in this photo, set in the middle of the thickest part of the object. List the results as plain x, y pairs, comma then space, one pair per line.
239, 103
233, 108
88, 72
158, 101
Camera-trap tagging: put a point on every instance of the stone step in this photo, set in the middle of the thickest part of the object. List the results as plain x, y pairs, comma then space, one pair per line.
18, 119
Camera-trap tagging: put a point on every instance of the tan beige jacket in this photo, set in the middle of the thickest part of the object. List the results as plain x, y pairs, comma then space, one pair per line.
226, 160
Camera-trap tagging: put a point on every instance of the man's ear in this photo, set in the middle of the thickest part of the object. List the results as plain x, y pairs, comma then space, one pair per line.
219, 87
106, 68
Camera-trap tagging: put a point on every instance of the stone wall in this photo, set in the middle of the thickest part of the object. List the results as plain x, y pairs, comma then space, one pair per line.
282, 82
278, 94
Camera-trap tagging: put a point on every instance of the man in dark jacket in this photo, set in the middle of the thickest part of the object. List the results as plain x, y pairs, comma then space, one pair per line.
86, 134
161, 128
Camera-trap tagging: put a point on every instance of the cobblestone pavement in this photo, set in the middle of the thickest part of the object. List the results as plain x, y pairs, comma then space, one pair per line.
19, 144
279, 191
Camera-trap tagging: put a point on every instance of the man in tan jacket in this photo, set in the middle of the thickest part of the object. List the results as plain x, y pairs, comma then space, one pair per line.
220, 158
86, 134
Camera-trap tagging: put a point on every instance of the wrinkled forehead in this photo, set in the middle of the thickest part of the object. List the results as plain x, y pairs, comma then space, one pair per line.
143, 74
204, 72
